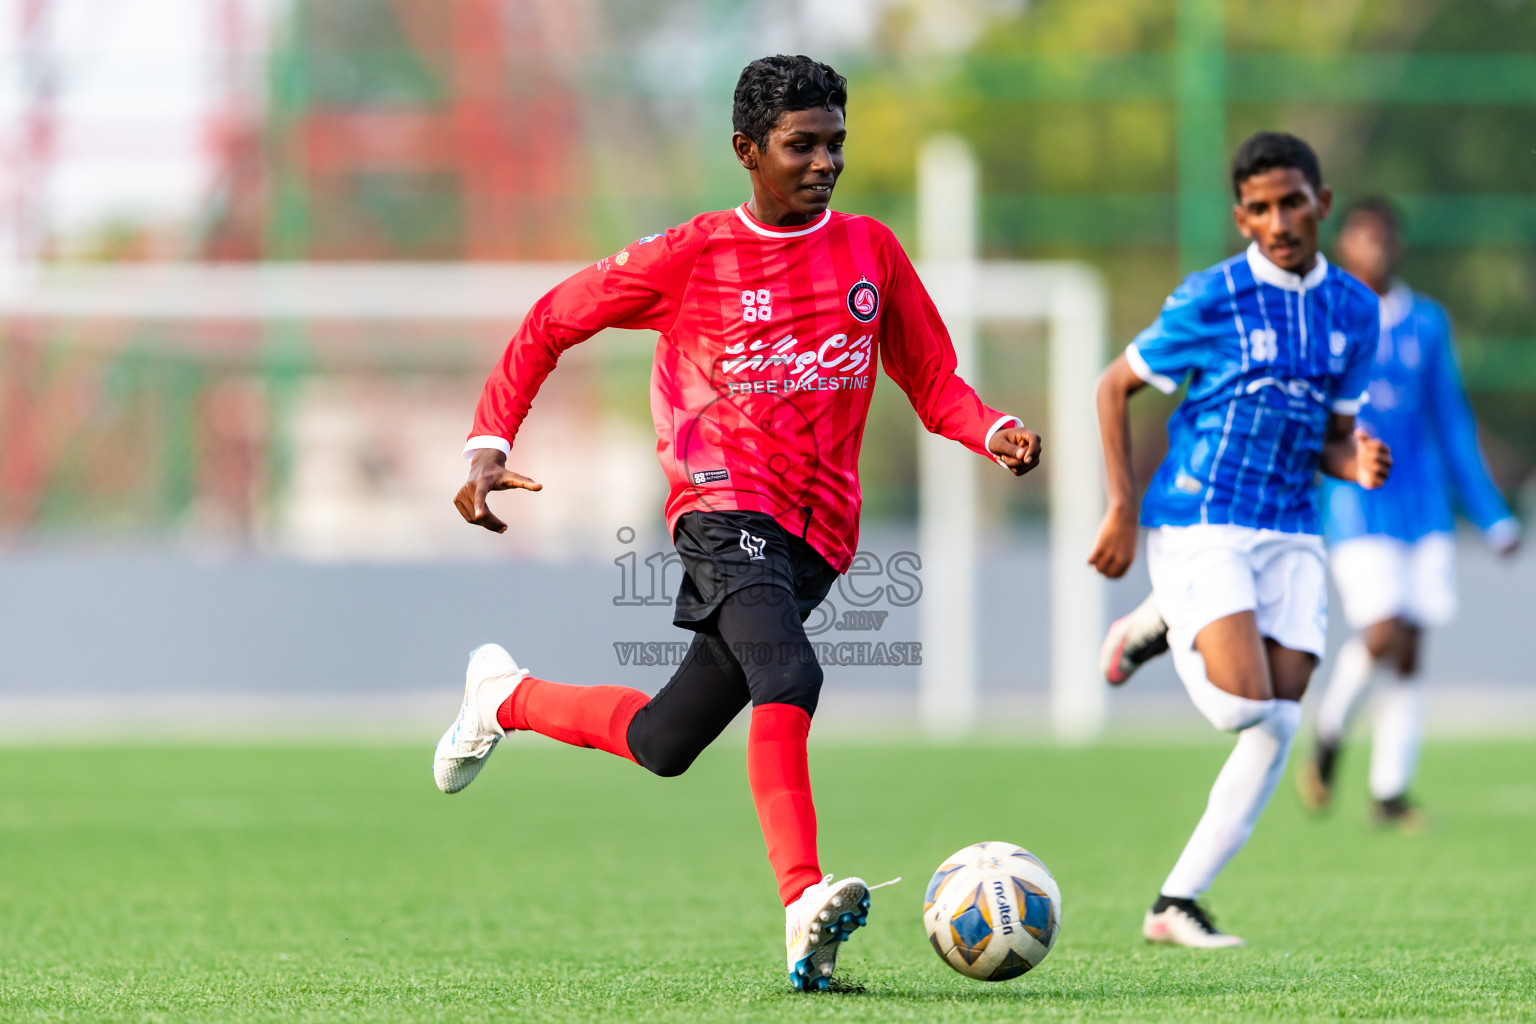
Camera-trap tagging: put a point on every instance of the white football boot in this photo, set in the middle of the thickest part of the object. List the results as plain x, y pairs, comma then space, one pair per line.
816, 924
490, 679
1133, 641
1186, 923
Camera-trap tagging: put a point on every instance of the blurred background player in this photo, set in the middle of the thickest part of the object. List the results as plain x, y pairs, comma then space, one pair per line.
1276, 344
773, 317
1393, 550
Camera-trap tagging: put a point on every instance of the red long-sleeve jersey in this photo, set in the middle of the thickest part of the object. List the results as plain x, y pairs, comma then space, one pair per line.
765, 365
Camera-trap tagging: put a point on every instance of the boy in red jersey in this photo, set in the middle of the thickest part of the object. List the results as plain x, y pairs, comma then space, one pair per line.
772, 319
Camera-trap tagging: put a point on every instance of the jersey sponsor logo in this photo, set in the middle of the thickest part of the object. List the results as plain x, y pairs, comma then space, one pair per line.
756, 305
864, 301
753, 546
1296, 387
711, 476
838, 356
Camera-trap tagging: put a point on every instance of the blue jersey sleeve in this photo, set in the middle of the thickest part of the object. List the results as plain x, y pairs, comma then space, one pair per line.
1359, 356
1165, 353
1452, 417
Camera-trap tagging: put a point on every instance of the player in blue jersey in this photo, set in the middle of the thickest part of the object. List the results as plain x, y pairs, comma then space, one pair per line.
1393, 551
1276, 346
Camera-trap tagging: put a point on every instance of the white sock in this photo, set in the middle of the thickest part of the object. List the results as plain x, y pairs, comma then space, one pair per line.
1353, 670
1226, 711
1399, 734
1241, 791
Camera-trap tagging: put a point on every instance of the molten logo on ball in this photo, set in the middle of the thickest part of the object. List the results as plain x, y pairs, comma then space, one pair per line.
992, 911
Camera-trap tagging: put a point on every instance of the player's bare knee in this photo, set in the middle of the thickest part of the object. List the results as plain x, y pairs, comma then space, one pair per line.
1379, 637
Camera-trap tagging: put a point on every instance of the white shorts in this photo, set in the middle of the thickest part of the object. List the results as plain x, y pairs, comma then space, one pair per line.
1381, 578
1206, 572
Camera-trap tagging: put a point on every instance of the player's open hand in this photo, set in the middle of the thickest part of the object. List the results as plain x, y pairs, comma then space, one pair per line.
1373, 460
1017, 449
488, 472
1115, 548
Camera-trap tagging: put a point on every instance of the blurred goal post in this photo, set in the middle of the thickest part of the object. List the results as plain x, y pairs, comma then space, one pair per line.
1068, 297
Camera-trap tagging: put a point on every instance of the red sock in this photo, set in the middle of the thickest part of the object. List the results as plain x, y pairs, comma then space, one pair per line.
780, 778
583, 716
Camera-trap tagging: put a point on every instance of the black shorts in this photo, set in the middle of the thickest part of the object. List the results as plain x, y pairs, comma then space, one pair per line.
723, 552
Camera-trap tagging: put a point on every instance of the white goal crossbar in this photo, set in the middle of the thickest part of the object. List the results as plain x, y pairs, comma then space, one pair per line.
1068, 297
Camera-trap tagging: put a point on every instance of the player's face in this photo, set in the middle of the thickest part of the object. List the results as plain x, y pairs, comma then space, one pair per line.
1280, 210
1368, 248
800, 165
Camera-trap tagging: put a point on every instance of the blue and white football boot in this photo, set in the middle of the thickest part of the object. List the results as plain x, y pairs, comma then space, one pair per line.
461, 753
817, 924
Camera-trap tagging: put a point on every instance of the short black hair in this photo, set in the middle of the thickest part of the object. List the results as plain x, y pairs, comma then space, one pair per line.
1380, 207
770, 87
1264, 151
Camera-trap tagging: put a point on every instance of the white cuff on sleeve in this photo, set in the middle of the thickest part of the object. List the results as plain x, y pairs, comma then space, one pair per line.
1502, 533
479, 441
1347, 406
1167, 385
1003, 421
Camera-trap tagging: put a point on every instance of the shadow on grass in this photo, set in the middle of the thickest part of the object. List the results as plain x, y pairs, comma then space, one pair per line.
1103, 993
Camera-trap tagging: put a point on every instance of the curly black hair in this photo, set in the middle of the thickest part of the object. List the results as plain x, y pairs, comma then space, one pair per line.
1383, 209
1264, 151
769, 87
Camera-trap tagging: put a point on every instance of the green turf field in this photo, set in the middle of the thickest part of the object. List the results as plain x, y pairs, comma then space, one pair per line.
295, 884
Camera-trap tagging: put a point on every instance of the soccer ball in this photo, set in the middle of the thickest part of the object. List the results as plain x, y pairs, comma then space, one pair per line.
992, 911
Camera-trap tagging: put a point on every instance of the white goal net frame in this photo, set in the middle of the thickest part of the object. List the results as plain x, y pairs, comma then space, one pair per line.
1067, 297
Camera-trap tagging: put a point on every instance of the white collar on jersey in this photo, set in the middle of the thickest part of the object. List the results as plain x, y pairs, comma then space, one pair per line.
768, 232
1269, 273
1396, 305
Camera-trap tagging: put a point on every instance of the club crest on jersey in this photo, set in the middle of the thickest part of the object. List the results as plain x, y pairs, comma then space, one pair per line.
864, 301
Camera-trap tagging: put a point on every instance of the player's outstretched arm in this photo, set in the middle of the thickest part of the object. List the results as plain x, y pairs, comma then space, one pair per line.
636, 288
1017, 448
1354, 455
1115, 549
488, 472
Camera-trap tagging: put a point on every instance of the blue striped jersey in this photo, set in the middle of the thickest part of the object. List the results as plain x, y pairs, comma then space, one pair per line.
1269, 355
1418, 406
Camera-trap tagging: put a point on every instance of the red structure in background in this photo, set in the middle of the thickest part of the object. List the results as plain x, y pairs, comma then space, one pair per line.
464, 114
233, 138
498, 138
26, 454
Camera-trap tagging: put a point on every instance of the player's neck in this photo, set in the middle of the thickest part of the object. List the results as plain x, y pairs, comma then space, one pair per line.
1305, 267
764, 208
1301, 269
